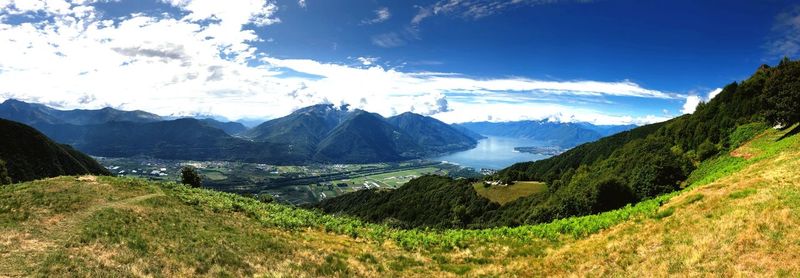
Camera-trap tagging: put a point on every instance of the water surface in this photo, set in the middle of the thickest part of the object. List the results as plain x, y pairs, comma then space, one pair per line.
494, 153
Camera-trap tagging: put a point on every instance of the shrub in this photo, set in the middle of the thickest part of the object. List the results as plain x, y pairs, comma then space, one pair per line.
190, 177
4, 178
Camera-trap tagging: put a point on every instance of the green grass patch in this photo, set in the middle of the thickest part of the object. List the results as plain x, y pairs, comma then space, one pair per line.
457, 269
333, 264
744, 133
664, 213
693, 199
507, 194
742, 193
401, 263
367, 258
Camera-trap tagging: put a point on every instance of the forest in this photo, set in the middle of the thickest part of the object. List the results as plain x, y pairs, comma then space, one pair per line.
625, 168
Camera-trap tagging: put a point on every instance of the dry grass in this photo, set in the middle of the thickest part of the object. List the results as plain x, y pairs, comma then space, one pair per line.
743, 224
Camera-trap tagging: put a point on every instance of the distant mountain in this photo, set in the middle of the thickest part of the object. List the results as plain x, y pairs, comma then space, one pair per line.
335, 134
176, 139
28, 155
468, 132
231, 128
559, 134
607, 130
432, 133
303, 129
319, 133
367, 137
33, 113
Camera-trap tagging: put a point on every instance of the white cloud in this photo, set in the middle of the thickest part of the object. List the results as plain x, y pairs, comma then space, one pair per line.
785, 37
389, 91
476, 9
367, 61
301, 3
388, 40
461, 112
713, 93
381, 14
204, 62
691, 104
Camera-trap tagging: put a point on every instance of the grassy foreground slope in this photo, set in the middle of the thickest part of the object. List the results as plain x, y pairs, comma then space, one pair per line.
737, 218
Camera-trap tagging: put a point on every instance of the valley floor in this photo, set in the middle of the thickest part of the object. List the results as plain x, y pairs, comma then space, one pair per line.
738, 219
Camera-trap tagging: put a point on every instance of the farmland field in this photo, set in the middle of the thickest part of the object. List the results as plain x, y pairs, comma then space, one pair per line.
506, 194
293, 184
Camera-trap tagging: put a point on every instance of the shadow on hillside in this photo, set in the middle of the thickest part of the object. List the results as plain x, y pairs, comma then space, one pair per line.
792, 132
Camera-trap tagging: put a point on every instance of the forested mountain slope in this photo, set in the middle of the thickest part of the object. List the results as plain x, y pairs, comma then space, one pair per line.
26, 154
642, 163
175, 139
737, 217
315, 134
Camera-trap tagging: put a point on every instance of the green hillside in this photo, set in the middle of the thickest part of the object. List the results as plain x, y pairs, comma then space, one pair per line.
26, 154
737, 217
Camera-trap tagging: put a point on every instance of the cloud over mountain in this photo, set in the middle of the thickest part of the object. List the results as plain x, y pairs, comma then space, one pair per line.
202, 58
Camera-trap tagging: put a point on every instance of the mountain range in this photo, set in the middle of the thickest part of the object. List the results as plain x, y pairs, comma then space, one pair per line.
26, 154
325, 132
319, 133
565, 135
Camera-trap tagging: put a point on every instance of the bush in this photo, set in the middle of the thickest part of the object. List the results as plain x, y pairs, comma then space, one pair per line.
4, 178
744, 133
265, 198
190, 177
613, 194
706, 150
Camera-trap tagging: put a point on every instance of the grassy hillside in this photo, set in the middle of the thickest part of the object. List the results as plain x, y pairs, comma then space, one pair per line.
505, 194
737, 217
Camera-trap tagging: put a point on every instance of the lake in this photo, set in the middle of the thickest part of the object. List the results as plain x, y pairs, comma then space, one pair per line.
494, 153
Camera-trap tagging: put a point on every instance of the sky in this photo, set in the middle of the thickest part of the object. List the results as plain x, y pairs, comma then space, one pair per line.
603, 61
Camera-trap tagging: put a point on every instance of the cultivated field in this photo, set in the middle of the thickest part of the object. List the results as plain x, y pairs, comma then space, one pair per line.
506, 194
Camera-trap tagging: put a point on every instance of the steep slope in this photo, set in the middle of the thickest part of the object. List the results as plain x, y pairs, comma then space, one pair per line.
29, 155
366, 137
304, 129
739, 218
736, 218
34, 114
432, 133
635, 165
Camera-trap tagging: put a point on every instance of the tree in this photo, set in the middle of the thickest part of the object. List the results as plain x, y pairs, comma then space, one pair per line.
782, 94
190, 177
4, 178
265, 198
612, 193
706, 150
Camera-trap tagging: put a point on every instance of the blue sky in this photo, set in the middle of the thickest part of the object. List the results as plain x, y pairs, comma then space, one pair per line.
457, 60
